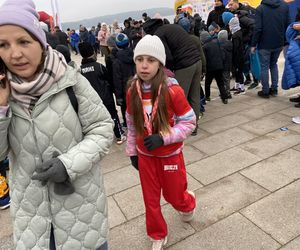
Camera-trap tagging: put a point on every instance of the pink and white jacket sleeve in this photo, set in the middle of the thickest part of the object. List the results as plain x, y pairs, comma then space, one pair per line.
184, 118
131, 136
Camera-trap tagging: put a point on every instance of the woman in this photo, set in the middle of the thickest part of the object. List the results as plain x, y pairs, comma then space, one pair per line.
103, 35
216, 14
57, 194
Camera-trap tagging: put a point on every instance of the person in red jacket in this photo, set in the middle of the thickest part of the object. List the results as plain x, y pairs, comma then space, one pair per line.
158, 118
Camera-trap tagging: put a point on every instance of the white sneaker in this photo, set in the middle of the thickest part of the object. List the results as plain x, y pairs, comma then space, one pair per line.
121, 140
159, 244
296, 119
188, 216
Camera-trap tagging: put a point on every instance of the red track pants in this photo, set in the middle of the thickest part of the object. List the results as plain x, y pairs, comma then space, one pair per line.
169, 176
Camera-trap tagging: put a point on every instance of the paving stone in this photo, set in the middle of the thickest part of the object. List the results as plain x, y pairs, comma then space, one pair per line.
131, 202
200, 136
224, 140
277, 171
132, 235
295, 127
263, 110
193, 184
6, 243
224, 123
191, 154
234, 232
272, 143
278, 214
291, 111
297, 147
217, 110
293, 245
254, 100
267, 124
115, 215
222, 164
224, 197
120, 179
7, 230
114, 161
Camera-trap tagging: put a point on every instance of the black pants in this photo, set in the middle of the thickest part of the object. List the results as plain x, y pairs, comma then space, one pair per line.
218, 75
111, 108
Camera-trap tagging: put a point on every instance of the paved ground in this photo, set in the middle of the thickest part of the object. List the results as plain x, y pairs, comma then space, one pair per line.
245, 173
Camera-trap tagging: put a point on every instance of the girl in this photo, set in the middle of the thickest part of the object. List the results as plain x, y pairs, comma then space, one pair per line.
159, 118
50, 146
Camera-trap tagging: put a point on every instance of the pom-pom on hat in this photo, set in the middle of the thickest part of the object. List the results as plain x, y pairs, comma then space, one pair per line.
22, 13
226, 17
122, 41
86, 50
151, 46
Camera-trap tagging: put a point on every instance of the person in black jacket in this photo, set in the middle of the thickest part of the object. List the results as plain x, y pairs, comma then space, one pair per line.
123, 69
214, 65
216, 14
136, 33
97, 75
238, 57
183, 57
226, 47
62, 37
246, 15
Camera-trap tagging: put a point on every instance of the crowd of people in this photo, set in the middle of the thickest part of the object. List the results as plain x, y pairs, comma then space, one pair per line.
58, 119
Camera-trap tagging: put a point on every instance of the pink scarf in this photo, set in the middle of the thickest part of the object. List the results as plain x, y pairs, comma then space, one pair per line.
27, 93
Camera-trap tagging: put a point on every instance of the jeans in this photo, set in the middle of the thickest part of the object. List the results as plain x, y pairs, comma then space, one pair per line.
268, 60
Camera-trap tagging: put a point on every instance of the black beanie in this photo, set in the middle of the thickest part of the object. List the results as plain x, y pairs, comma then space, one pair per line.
63, 49
86, 49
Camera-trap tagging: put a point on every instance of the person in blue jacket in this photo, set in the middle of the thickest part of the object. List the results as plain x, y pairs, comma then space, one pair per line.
74, 40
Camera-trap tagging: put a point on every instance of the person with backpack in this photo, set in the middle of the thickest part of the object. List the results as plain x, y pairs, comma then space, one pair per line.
50, 145
98, 76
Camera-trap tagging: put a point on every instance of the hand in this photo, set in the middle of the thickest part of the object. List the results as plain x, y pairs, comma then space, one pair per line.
135, 161
52, 170
120, 101
296, 26
4, 91
253, 49
153, 141
297, 37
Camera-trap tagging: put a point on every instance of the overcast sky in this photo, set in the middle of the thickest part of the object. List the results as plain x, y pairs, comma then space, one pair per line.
72, 10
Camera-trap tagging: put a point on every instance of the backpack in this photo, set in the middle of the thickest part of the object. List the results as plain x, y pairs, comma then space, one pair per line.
73, 98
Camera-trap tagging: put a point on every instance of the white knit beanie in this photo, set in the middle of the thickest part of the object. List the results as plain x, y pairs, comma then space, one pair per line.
151, 46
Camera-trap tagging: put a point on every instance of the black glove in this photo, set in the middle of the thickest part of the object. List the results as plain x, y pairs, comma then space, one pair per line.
152, 142
55, 171
120, 101
135, 161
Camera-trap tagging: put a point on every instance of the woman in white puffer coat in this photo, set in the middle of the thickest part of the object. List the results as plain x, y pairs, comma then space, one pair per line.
58, 199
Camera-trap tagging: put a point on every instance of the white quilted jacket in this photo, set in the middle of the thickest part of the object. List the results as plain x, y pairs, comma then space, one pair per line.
80, 219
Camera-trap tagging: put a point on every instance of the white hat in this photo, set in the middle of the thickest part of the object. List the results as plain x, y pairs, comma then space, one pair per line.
151, 46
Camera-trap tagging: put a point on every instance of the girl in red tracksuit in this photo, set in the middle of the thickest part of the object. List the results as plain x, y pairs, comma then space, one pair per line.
159, 118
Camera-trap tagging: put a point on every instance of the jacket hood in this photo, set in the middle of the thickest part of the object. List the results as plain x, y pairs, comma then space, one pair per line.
272, 3
152, 25
125, 55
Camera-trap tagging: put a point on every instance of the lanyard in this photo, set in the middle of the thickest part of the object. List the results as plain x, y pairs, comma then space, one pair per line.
148, 121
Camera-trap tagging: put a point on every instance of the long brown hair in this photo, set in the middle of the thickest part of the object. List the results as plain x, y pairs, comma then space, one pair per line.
160, 123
